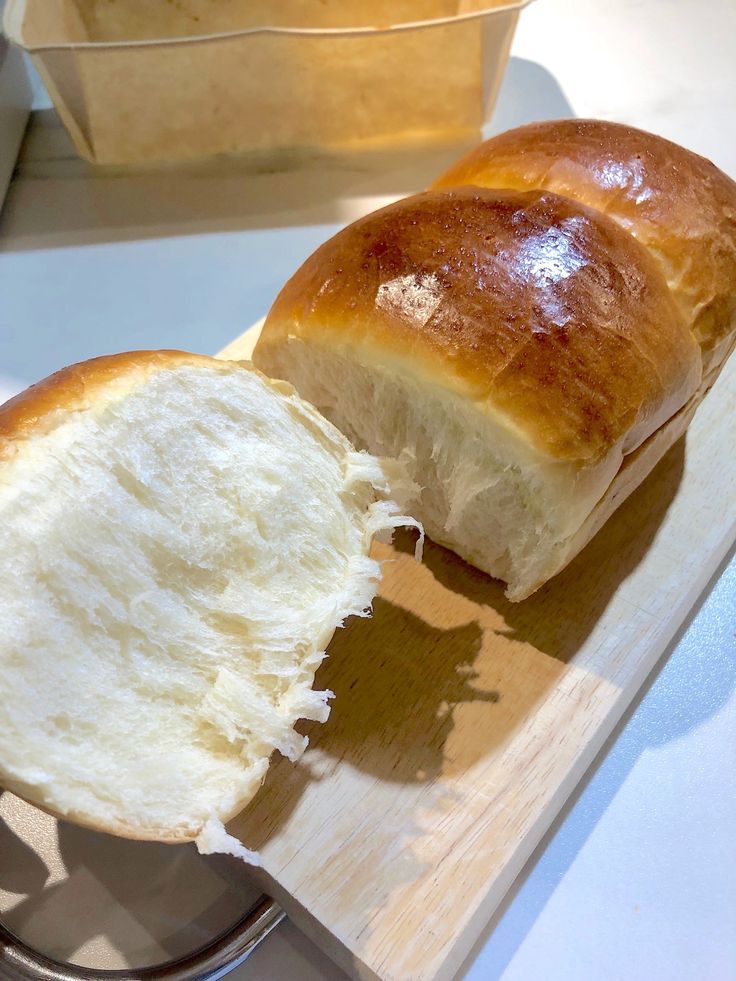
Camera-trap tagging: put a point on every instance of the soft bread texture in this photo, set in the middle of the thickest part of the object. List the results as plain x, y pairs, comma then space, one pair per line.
529, 354
179, 538
679, 205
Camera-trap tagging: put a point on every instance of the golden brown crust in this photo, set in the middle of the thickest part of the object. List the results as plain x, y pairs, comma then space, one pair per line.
530, 303
72, 389
676, 203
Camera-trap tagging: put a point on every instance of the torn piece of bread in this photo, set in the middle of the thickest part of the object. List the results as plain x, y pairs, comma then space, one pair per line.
179, 538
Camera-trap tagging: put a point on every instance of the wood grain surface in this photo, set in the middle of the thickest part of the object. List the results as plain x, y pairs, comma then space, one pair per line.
462, 722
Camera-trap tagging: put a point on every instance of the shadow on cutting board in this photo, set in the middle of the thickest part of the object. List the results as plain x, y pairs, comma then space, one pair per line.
447, 669
554, 620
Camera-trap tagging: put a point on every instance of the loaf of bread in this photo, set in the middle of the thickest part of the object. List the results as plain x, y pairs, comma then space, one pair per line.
529, 337
179, 538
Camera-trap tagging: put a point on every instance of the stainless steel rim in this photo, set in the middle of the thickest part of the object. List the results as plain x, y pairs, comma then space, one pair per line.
19, 962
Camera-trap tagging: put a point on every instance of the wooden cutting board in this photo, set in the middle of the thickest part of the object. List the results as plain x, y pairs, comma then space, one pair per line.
462, 722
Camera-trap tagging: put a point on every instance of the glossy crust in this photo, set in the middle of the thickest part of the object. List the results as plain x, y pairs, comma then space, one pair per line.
676, 203
532, 306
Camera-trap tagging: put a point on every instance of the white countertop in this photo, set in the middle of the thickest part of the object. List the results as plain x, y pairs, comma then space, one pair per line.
637, 880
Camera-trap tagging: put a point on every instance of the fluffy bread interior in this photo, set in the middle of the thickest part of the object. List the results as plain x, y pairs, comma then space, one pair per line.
482, 488
175, 559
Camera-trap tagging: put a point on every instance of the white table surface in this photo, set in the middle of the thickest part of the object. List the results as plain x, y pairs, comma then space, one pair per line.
637, 879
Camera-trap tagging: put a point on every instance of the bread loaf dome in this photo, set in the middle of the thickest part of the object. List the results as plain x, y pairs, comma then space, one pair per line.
179, 538
511, 346
679, 205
